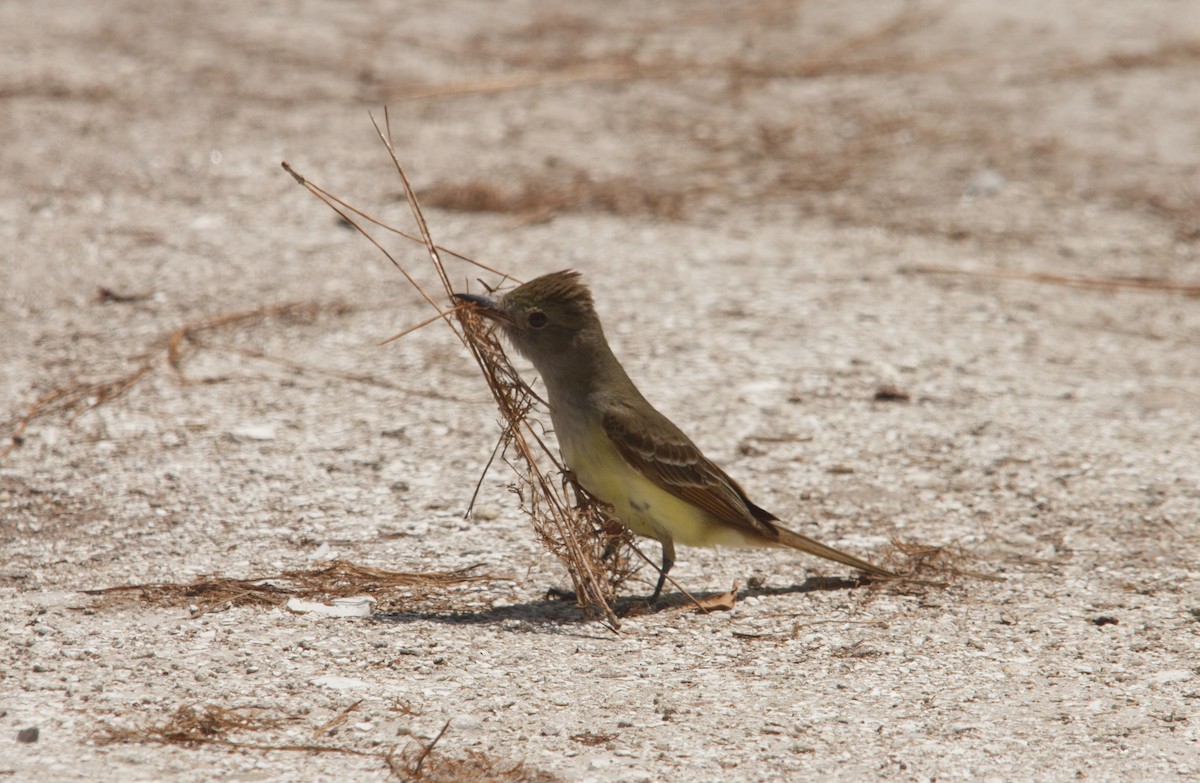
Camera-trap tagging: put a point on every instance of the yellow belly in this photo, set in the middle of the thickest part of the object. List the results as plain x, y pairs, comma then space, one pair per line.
644, 507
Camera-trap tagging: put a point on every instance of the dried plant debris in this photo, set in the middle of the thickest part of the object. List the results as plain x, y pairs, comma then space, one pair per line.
336, 722
593, 548
534, 198
923, 565
859, 155
79, 396
194, 726
718, 602
425, 763
106, 295
558, 60
189, 337
1156, 284
471, 767
70, 400
338, 579
889, 393
593, 738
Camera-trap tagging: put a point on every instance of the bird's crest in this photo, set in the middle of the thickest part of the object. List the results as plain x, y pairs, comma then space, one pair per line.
565, 287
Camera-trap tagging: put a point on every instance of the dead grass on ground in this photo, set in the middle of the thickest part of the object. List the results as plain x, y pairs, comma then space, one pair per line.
846, 159
1071, 281
79, 396
817, 162
402, 590
537, 198
919, 566
194, 725
210, 725
555, 51
1169, 54
423, 763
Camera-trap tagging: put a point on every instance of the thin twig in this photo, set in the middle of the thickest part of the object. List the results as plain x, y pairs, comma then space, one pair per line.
426, 749
332, 200
409, 330
336, 720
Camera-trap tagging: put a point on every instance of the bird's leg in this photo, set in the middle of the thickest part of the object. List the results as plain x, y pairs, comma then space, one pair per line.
668, 560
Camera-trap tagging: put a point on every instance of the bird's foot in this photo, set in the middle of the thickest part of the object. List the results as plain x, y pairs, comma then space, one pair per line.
558, 594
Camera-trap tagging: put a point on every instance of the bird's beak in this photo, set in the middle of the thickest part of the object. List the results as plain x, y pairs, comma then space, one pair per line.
486, 306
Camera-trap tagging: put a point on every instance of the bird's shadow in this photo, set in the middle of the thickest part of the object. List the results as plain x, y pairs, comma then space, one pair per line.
558, 611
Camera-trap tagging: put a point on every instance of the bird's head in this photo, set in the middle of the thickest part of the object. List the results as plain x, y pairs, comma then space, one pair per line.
546, 318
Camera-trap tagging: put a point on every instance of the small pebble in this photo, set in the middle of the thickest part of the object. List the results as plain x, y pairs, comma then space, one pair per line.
28, 735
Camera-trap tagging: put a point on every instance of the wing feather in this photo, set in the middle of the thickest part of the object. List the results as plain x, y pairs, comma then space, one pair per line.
670, 460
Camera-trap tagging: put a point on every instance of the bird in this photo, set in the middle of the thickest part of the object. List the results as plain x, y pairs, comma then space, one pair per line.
619, 448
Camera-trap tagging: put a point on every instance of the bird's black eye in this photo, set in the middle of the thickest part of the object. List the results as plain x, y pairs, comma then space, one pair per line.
537, 319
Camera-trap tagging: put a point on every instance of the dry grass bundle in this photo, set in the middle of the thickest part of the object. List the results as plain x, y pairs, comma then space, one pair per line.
589, 544
579, 534
339, 579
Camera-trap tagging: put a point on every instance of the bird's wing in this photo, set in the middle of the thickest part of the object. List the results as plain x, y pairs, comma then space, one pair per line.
670, 460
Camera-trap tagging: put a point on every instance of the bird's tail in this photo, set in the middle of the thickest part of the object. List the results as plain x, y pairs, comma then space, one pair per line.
813, 547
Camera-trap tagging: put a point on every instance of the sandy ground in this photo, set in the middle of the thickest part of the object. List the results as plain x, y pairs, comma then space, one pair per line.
766, 203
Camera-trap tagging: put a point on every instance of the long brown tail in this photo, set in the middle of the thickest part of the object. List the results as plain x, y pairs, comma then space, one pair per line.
806, 544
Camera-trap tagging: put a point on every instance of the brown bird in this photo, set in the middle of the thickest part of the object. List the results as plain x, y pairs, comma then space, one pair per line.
622, 450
